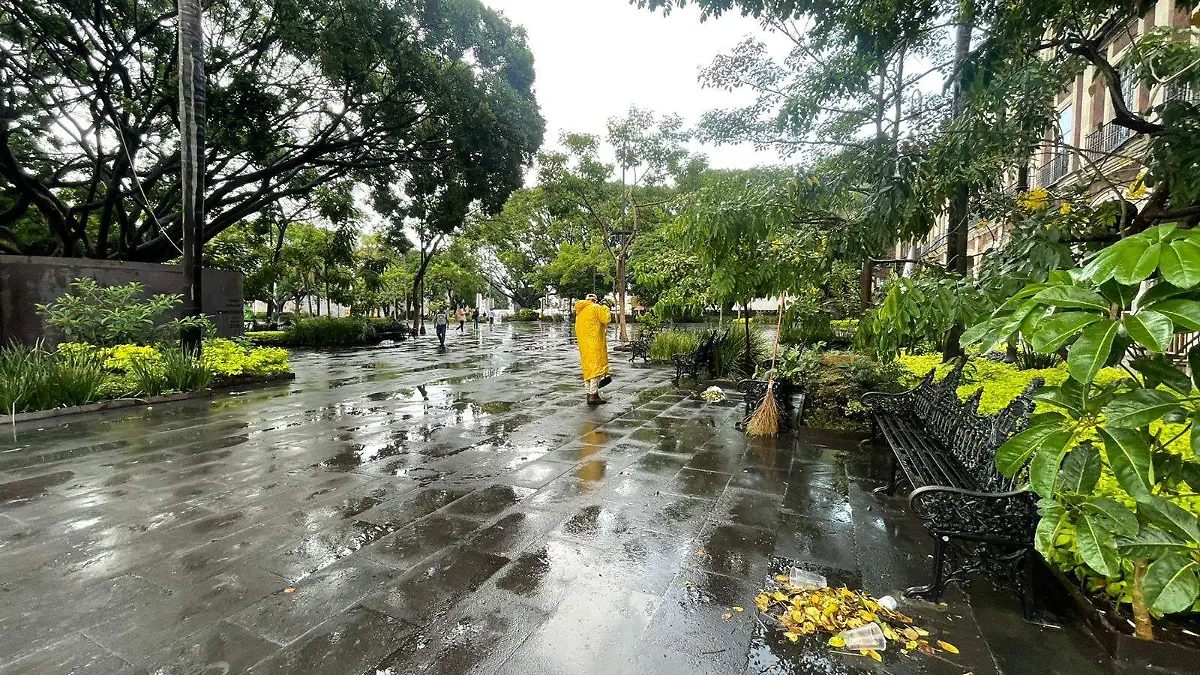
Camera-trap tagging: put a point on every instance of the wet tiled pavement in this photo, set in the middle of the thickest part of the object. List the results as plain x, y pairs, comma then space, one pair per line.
401, 510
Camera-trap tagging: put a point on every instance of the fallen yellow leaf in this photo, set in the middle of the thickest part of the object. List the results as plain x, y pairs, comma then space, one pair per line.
289, 590
948, 647
727, 616
873, 654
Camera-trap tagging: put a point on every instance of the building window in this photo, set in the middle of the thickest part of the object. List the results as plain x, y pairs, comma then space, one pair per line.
1066, 128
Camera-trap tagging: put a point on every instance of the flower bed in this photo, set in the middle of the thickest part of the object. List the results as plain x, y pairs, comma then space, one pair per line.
77, 374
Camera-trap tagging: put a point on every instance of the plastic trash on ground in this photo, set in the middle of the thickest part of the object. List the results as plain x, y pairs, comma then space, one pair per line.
799, 578
869, 637
888, 602
713, 393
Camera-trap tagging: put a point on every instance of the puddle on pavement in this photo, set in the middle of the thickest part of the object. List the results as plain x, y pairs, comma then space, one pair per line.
31, 488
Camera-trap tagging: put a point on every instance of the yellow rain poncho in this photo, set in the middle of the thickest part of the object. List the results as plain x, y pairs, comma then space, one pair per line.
590, 322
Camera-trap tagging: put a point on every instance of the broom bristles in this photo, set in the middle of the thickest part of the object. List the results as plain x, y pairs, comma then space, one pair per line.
765, 420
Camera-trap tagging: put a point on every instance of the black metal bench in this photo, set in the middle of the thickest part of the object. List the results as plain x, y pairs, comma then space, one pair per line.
703, 356
980, 520
753, 392
641, 346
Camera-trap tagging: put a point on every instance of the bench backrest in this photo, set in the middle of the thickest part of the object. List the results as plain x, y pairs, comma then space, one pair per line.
973, 438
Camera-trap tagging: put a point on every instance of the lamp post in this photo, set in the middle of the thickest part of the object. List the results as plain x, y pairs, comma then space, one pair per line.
192, 118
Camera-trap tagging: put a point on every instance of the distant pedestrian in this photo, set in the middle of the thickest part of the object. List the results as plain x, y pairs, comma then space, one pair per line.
475, 317
591, 324
491, 316
441, 321
461, 315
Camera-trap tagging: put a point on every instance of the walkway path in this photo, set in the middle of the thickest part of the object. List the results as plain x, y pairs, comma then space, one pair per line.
403, 511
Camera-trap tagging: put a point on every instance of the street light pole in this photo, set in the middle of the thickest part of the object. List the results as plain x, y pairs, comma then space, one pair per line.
192, 119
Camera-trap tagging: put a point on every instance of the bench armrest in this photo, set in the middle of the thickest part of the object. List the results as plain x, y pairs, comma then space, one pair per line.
991, 516
881, 400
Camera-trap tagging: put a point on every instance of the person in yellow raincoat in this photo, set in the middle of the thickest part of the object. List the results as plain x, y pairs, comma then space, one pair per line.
591, 320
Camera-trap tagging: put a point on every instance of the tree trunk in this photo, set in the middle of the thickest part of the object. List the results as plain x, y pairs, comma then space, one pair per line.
1143, 626
624, 332
956, 235
192, 118
749, 358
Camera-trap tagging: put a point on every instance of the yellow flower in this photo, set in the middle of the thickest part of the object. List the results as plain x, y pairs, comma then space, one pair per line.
1065, 208
1137, 189
1034, 200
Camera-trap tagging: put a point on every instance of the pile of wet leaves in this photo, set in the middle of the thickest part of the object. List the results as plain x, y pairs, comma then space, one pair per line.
801, 611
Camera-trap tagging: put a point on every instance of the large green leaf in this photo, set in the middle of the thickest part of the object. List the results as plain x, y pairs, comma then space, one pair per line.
1171, 518
1121, 295
1157, 370
1140, 407
1080, 470
1129, 457
1180, 263
1183, 313
1091, 350
1117, 518
1051, 521
1056, 330
1150, 543
1150, 329
1072, 297
1171, 585
1142, 269
982, 330
1017, 450
1043, 471
1060, 397
1123, 255
1096, 545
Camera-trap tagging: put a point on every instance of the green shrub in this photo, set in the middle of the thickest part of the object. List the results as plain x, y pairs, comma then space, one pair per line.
112, 315
524, 315
668, 343
225, 358
834, 383
325, 331
184, 372
276, 338
73, 380
730, 351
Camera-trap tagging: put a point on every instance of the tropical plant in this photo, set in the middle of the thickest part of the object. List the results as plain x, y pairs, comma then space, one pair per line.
182, 371
74, 379
1123, 308
331, 332
668, 343
917, 311
112, 315
738, 350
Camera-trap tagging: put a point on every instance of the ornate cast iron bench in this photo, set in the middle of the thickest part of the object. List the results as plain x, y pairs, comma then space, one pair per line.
980, 520
641, 346
753, 392
704, 355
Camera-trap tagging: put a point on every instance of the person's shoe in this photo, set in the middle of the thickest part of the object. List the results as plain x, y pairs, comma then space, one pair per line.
594, 399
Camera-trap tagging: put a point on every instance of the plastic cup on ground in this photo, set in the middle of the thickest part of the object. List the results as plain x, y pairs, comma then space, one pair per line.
869, 636
799, 578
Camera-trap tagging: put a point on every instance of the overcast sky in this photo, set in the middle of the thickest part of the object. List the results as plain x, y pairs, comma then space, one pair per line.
594, 58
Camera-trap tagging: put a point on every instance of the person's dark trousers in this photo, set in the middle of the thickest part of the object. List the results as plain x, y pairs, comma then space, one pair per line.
441, 333
461, 326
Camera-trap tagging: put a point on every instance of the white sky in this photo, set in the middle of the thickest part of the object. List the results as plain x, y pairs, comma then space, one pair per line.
594, 58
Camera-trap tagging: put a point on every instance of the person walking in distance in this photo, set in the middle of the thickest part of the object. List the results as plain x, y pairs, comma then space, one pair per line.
591, 323
441, 322
461, 315
475, 318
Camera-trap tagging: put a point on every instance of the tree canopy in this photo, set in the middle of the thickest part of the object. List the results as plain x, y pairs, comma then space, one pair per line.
429, 99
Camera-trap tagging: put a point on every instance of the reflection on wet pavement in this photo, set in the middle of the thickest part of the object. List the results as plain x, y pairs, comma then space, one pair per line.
399, 510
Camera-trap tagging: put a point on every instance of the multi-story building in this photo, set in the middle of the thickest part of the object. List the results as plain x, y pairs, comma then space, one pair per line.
1085, 147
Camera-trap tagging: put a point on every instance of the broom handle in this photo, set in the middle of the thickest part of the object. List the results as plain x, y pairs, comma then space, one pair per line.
778, 326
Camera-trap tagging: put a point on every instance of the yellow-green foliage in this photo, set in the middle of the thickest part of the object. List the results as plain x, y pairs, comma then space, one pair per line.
222, 358
267, 337
1001, 382
226, 358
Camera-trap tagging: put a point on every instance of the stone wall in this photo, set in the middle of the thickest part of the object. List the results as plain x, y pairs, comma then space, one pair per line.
26, 282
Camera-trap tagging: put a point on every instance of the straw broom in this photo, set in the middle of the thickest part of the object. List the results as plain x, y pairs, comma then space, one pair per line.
765, 420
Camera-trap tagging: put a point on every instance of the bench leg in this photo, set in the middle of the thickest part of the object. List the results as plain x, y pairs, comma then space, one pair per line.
933, 590
893, 482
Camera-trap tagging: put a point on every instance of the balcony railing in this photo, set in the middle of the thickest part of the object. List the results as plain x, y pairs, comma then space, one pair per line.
1107, 138
1053, 170
1181, 93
